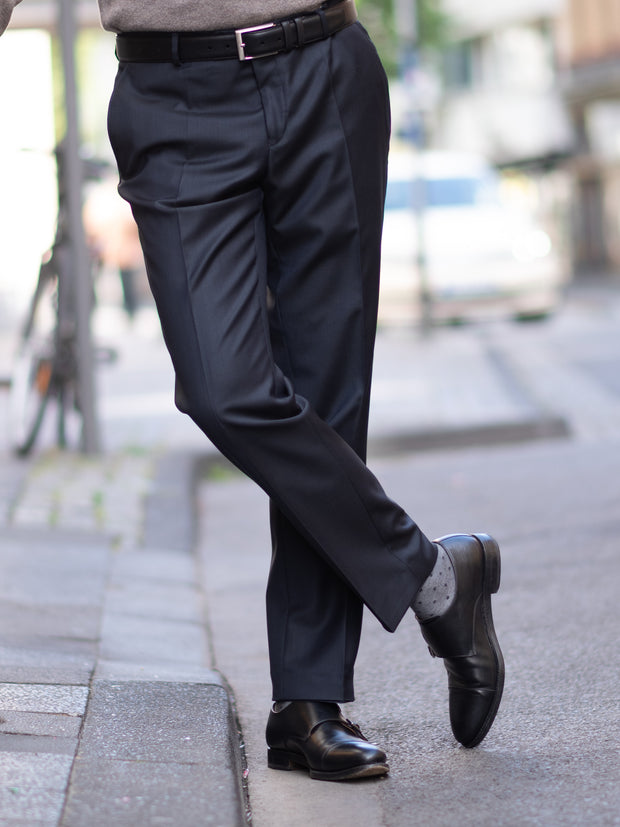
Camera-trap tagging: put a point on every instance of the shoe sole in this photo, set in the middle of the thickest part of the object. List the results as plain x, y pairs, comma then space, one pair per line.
490, 585
281, 760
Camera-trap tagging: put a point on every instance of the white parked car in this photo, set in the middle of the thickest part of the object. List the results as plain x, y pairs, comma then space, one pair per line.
479, 254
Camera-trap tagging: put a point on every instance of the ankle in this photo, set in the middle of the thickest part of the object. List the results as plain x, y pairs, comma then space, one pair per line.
437, 592
280, 706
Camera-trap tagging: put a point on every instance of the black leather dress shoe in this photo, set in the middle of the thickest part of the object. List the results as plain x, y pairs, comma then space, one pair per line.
464, 636
316, 736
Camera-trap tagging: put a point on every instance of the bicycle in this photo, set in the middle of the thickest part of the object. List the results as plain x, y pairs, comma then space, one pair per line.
45, 370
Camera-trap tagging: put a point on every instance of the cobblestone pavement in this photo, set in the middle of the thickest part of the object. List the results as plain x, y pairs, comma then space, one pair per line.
104, 495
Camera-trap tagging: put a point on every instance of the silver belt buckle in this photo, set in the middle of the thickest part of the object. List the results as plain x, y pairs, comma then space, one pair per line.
241, 45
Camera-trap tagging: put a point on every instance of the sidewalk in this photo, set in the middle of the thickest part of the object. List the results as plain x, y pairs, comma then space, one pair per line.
112, 710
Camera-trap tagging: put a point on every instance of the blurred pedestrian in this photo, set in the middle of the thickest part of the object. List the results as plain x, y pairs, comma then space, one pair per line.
251, 138
113, 235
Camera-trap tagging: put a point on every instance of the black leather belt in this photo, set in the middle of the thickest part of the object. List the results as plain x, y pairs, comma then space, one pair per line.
240, 44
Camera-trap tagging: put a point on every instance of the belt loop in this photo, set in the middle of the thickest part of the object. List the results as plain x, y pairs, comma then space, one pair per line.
174, 46
289, 39
299, 25
323, 16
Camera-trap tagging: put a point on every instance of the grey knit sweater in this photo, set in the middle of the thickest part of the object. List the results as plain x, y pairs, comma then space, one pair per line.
184, 15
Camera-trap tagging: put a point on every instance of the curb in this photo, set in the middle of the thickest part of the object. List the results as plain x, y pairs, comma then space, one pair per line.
171, 521
536, 423
437, 439
170, 509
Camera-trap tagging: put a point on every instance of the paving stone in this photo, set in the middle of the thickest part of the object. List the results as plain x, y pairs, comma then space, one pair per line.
65, 700
102, 494
106, 792
125, 637
32, 786
169, 520
155, 753
149, 598
167, 722
40, 659
57, 621
30, 807
39, 723
169, 566
41, 744
53, 570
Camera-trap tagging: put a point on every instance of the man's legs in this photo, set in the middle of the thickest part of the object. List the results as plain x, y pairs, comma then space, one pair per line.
194, 145
193, 151
324, 197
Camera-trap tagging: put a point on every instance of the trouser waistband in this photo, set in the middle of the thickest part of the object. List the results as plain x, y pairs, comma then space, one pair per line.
239, 44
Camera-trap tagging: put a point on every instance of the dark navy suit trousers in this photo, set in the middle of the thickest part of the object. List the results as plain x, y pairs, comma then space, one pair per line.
258, 191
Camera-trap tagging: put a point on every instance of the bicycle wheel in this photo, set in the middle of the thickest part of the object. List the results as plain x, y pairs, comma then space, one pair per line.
31, 385
32, 379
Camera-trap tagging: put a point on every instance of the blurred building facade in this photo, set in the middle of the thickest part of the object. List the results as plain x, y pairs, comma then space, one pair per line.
535, 86
501, 98
589, 75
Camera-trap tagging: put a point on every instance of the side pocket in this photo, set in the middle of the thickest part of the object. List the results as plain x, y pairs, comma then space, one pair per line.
117, 121
383, 74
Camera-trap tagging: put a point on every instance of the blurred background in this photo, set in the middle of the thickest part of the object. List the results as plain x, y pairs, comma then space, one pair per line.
527, 90
504, 179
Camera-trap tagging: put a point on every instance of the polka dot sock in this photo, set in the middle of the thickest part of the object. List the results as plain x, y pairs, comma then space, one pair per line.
437, 591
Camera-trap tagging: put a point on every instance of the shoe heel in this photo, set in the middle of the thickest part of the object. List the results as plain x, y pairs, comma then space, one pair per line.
278, 760
492, 561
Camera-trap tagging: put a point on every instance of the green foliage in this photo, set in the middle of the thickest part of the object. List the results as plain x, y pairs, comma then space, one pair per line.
377, 16
379, 19
434, 24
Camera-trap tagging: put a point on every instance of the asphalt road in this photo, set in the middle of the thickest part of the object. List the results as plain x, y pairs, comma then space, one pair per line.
552, 756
